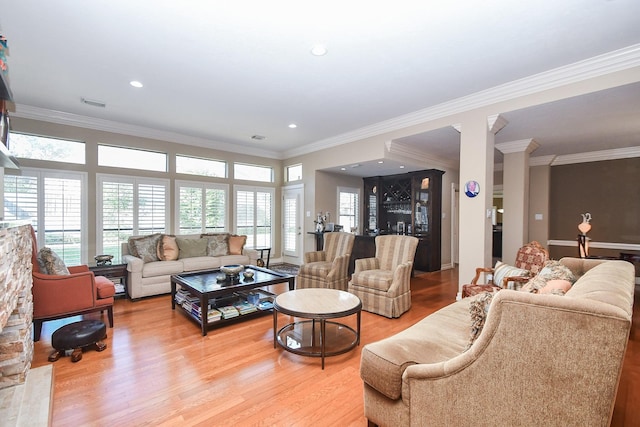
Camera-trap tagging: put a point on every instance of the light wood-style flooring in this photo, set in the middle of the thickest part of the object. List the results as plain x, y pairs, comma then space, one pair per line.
159, 371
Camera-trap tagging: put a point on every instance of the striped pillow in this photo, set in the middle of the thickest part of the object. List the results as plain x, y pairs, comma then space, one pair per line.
503, 270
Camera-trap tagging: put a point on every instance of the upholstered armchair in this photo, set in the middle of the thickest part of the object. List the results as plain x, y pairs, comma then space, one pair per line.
530, 259
59, 296
383, 282
328, 268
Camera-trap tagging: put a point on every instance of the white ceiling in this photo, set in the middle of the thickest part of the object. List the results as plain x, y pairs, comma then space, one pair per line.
216, 73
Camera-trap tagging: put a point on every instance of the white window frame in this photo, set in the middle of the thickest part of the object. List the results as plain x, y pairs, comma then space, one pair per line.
101, 178
255, 189
205, 159
350, 190
131, 151
41, 175
287, 174
203, 185
270, 168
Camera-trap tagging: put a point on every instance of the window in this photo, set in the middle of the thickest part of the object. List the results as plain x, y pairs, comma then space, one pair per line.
55, 202
121, 157
252, 172
294, 173
201, 207
348, 202
198, 166
44, 148
254, 210
129, 206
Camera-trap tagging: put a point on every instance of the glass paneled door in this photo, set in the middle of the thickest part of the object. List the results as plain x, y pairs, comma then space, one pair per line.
292, 224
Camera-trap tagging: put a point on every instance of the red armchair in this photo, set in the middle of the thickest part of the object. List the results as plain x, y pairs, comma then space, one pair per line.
56, 297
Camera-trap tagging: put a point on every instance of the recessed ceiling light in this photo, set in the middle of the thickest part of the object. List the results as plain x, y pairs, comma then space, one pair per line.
401, 166
319, 50
135, 83
343, 169
380, 161
293, 126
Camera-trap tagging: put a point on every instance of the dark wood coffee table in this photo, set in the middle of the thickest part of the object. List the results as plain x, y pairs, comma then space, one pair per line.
317, 304
206, 286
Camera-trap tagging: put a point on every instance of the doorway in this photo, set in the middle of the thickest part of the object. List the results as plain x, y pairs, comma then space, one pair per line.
292, 215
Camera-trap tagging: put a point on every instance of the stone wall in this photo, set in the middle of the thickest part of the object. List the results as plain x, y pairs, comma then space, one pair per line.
16, 304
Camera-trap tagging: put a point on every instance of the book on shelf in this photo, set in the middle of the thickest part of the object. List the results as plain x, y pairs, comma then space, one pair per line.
228, 311
265, 305
245, 307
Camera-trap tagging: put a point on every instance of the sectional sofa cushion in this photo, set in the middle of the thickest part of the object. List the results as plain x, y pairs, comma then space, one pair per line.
145, 247
190, 248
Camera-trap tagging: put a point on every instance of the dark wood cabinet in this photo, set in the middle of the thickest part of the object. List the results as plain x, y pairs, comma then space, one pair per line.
409, 204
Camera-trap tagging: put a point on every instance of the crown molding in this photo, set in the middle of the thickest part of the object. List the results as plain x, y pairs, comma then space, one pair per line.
496, 122
607, 63
524, 145
542, 160
413, 155
70, 119
597, 156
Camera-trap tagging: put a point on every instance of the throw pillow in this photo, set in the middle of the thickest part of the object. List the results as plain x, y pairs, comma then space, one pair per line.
147, 247
479, 308
51, 263
503, 270
167, 248
189, 248
218, 243
236, 244
556, 287
552, 270
131, 243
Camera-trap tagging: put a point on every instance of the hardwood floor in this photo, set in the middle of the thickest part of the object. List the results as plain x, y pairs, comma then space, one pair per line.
158, 370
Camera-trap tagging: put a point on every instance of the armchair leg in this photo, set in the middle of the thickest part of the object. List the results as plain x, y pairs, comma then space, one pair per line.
110, 316
371, 424
37, 329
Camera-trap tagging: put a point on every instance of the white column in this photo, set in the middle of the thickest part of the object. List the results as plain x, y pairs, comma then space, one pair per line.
476, 164
515, 219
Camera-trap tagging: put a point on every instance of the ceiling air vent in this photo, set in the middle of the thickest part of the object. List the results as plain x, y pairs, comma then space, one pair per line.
93, 102
258, 137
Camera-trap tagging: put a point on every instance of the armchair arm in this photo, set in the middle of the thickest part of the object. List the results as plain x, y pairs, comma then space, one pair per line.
519, 279
340, 267
53, 294
314, 256
364, 264
480, 270
401, 278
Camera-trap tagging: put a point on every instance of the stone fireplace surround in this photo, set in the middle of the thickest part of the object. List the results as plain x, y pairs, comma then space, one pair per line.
16, 303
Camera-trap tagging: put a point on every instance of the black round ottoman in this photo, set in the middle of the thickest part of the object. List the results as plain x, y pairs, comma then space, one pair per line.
77, 336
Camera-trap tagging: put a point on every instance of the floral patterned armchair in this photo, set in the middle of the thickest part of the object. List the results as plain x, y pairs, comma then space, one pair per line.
530, 260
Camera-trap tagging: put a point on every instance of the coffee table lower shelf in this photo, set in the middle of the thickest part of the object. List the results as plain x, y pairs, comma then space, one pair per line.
305, 338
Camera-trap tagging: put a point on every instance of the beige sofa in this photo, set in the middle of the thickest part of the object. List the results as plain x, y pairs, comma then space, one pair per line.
539, 360
154, 277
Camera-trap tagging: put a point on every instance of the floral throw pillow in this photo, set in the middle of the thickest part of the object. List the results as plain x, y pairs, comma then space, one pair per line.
218, 243
51, 263
147, 247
